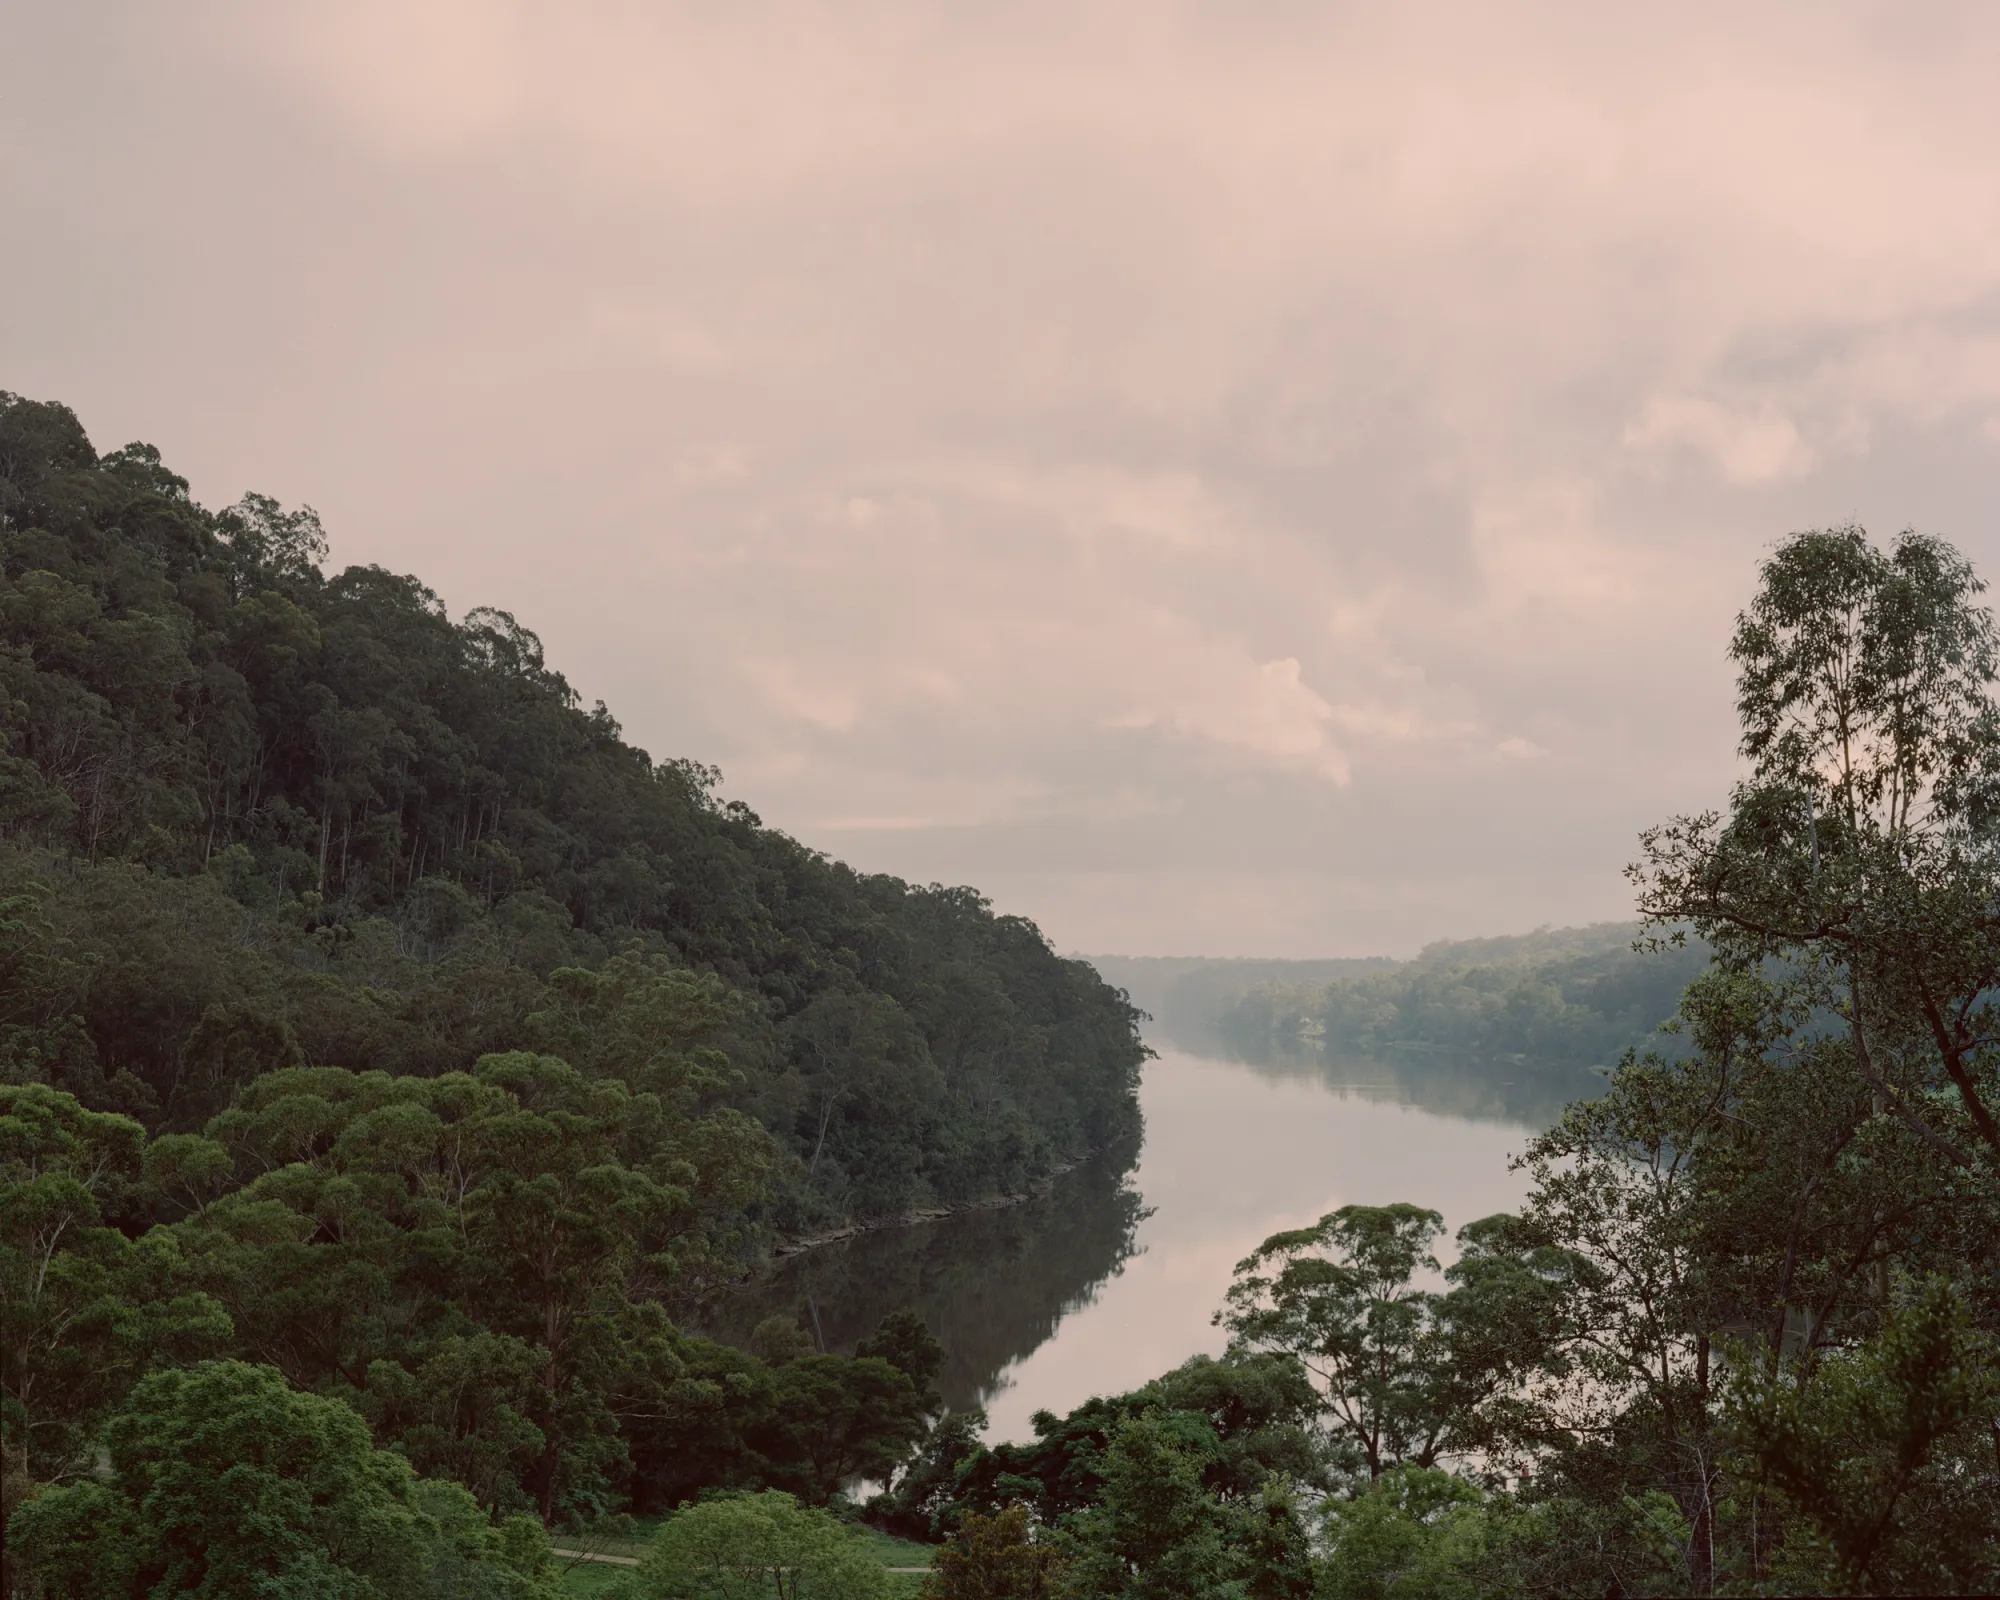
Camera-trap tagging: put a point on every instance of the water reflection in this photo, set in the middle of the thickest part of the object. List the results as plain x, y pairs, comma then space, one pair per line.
1114, 1276
993, 1285
1525, 1094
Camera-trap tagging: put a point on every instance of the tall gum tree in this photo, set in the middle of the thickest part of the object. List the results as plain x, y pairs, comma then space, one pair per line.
1863, 849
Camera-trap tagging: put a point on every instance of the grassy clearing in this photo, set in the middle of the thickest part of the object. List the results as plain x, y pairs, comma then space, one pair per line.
588, 1578
893, 1552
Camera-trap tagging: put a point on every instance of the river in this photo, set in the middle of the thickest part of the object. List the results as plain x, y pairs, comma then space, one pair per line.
1112, 1278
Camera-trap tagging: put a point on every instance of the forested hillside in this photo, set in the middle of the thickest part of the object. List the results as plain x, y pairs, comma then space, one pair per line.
371, 1011
1558, 997
394, 1059
260, 815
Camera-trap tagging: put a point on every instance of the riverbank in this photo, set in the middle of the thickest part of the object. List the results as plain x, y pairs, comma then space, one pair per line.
910, 1219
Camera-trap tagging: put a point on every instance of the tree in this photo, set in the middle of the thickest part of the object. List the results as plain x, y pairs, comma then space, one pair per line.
927, 1498
1338, 1298
834, 1418
463, 1411
83, 1309
996, 1558
1405, 1375
1412, 1534
863, 1060
224, 1481
1273, 1548
1255, 1413
1159, 1534
737, 1546
1861, 847
1854, 878
904, 1341
1883, 1455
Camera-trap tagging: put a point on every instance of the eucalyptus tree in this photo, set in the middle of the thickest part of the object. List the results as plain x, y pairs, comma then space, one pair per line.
1863, 848
84, 1310
223, 1480
1408, 1375
1832, 1142
1884, 1466
1340, 1298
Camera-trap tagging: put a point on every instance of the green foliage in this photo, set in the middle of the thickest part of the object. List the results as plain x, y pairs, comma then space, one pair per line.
1412, 1534
927, 1499
1884, 1454
741, 1545
1273, 1549
83, 1309
834, 1418
224, 1481
1338, 1300
1860, 850
997, 1558
263, 815
1251, 1412
903, 1340
1562, 1544
1572, 998
1157, 1533
1406, 1375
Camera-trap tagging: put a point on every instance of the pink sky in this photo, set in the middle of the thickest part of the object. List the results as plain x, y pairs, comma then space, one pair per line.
1224, 480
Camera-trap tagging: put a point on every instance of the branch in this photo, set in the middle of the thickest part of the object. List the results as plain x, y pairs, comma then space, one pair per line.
1954, 1065
1896, 1102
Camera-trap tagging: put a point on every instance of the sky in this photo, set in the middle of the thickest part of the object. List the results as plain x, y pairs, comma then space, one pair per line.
1226, 480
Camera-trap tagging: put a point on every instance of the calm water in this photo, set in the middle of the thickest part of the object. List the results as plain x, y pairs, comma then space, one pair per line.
1112, 1279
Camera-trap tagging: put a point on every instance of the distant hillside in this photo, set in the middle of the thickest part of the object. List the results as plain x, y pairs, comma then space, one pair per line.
1556, 996
1186, 996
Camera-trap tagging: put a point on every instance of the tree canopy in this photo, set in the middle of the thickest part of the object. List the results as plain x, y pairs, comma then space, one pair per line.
382, 1035
392, 1059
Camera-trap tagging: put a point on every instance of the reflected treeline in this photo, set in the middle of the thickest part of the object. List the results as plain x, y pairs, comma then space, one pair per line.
1523, 1093
992, 1285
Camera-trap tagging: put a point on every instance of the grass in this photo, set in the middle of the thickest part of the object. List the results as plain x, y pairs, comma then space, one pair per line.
588, 1578
893, 1552
635, 1543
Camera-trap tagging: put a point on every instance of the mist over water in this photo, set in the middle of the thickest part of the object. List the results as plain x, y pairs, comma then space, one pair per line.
1114, 1276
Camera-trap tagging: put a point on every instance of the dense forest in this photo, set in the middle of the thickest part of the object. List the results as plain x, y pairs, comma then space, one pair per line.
262, 814
397, 1063
1563, 997
374, 1016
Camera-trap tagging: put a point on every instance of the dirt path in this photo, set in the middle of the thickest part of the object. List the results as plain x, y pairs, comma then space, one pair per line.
593, 1555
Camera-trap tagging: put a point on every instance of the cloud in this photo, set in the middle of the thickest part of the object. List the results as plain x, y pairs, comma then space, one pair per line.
1268, 450
1264, 708
1747, 446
